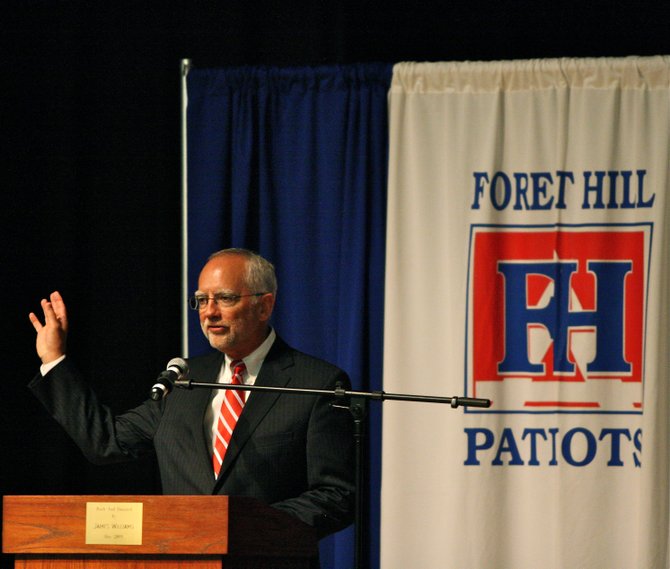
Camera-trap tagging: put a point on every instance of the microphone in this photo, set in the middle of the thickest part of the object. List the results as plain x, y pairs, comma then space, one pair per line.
177, 368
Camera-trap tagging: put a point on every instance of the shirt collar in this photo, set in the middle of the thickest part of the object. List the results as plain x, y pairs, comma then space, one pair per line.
254, 360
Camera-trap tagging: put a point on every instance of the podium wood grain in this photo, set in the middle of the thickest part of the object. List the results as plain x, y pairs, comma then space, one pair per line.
203, 532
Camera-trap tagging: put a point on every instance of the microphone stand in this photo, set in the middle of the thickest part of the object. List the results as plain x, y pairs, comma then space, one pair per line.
356, 402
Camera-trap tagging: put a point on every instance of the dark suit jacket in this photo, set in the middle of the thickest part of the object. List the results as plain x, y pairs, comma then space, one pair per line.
294, 452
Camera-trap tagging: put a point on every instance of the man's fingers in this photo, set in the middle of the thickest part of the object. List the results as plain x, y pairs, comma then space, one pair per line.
47, 308
54, 312
52, 330
50, 315
59, 308
35, 321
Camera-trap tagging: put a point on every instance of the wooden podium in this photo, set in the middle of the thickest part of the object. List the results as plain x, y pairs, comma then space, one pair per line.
195, 532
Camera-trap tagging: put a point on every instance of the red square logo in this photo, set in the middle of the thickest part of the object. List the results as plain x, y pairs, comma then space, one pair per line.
556, 319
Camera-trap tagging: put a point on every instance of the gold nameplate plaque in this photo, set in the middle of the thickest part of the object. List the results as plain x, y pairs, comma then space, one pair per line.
118, 523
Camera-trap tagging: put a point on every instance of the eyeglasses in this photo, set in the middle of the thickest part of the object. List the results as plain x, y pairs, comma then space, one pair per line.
221, 299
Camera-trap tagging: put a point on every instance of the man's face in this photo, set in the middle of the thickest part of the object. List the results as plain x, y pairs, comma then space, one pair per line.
236, 330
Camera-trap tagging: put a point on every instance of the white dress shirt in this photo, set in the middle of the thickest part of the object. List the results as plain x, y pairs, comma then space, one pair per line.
253, 363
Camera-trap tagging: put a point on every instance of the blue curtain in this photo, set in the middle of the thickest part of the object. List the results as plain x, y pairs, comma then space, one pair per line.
292, 163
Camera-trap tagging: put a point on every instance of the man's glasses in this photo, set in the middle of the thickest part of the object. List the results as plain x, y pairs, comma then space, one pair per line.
221, 299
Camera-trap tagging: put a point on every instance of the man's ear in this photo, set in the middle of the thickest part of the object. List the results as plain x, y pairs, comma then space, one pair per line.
266, 305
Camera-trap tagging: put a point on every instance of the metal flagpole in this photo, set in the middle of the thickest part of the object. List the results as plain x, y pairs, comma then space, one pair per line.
185, 67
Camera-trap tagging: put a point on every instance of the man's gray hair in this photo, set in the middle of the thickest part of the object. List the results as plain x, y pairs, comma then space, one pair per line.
260, 272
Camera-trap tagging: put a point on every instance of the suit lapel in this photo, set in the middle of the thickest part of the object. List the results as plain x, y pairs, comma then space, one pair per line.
275, 372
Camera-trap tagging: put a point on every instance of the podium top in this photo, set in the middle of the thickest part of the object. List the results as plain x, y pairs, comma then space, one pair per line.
174, 525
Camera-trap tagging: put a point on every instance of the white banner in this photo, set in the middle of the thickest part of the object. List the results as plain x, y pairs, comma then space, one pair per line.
527, 263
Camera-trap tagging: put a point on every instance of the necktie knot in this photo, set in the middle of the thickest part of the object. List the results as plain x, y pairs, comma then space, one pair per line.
238, 368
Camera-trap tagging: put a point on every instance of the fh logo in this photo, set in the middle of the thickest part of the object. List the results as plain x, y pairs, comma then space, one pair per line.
556, 317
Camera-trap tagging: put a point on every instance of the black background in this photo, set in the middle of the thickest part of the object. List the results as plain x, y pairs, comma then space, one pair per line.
90, 157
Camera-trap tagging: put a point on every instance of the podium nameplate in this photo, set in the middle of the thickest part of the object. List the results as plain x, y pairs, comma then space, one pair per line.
114, 522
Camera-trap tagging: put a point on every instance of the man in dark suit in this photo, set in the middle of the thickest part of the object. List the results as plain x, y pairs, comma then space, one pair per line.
294, 452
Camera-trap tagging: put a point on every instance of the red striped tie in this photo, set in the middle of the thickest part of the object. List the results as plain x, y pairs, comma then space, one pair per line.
233, 401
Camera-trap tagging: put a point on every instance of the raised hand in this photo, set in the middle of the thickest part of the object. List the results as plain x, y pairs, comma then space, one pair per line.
52, 335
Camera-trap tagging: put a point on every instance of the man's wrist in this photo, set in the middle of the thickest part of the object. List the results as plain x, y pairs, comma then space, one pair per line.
45, 368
